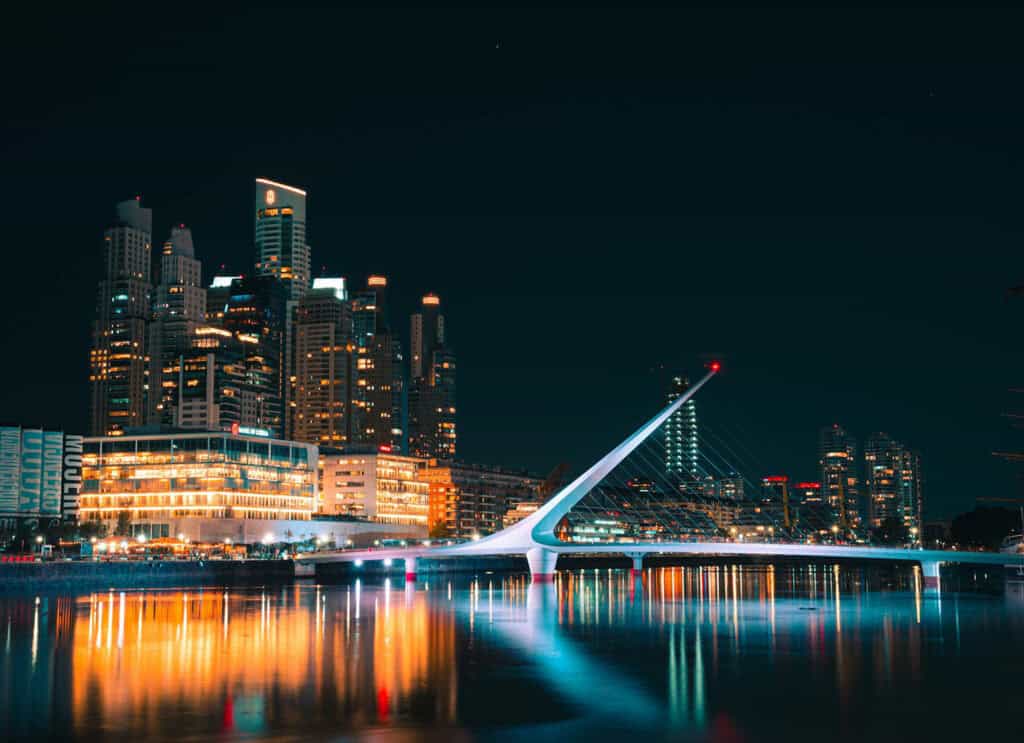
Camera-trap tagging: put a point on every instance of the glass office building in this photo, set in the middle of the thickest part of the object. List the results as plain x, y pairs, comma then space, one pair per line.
206, 475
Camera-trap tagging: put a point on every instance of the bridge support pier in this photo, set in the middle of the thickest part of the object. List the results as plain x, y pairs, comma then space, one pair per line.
930, 576
410, 570
542, 564
638, 563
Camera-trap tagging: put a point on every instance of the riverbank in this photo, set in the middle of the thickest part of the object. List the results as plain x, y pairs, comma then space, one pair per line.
73, 577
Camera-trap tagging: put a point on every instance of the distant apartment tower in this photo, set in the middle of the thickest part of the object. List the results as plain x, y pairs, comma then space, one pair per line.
320, 388
680, 435
179, 307
432, 408
840, 484
380, 379
892, 478
775, 499
281, 248
117, 360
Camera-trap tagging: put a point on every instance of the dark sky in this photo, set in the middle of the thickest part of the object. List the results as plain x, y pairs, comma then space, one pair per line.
830, 202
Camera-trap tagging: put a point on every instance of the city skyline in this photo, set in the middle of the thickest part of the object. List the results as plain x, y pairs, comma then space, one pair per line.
547, 261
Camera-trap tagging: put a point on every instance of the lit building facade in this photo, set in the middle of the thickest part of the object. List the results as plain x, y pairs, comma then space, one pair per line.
680, 436
209, 475
468, 501
118, 367
322, 379
281, 248
378, 486
840, 484
432, 405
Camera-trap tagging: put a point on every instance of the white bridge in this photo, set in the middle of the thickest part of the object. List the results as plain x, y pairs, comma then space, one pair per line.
535, 537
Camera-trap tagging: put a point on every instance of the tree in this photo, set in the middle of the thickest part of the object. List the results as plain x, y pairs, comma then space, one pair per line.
984, 527
124, 525
892, 531
438, 530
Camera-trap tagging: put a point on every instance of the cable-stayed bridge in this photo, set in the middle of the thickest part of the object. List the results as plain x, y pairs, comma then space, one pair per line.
535, 536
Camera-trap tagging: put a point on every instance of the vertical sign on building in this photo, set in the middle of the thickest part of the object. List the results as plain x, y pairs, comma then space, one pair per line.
72, 478
10, 470
53, 466
31, 472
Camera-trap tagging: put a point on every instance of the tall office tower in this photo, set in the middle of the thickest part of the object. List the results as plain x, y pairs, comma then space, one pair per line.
255, 314
680, 435
377, 351
281, 249
320, 389
892, 478
211, 388
837, 452
117, 360
432, 429
179, 307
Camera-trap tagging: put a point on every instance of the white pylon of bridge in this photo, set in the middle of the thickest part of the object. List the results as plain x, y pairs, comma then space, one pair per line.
534, 536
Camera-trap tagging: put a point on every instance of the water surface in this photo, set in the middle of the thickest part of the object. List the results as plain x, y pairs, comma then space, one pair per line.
715, 653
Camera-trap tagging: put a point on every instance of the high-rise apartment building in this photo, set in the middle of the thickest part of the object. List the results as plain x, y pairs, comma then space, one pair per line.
320, 387
468, 501
892, 478
432, 410
775, 499
680, 436
118, 369
281, 248
179, 307
840, 483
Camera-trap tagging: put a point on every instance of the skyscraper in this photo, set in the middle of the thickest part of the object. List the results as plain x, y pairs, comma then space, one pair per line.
379, 372
255, 315
320, 388
680, 434
837, 452
117, 360
432, 428
281, 248
179, 307
892, 477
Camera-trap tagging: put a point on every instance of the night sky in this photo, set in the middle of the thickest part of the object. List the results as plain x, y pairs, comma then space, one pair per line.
828, 202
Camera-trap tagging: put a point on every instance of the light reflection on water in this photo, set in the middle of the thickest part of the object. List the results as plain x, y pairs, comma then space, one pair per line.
722, 652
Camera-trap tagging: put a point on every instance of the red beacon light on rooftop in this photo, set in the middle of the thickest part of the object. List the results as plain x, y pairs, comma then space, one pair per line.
714, 366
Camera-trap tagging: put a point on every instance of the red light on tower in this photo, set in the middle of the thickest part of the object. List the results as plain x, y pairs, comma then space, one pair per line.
715, 366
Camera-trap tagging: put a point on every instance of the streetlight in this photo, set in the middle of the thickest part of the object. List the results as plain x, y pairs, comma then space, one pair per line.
141, 538
39, 539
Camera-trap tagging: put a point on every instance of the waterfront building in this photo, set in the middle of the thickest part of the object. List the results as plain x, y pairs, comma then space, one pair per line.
680, 436
892, 479
179, 307
280, 229
40, 474
840, 484
375, 485
118, 368
468, 501
323, 376
432, 406
155, 480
